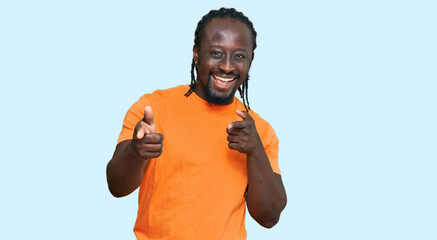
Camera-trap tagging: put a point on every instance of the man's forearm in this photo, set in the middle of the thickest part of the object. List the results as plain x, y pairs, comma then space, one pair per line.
125, 171
266, 197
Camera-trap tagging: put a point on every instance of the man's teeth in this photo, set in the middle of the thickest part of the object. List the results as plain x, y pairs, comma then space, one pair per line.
224, 79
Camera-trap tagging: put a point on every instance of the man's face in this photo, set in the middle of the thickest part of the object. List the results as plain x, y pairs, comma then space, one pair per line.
223, 59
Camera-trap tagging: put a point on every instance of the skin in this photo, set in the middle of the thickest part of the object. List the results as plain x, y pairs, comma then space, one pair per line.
225, 51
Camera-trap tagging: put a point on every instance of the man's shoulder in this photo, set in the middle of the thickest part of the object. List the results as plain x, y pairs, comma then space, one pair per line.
262, 125
257, 117
166, 94
162, 97
174, 91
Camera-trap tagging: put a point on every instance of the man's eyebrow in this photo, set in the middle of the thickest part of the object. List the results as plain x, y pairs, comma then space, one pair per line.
242, 49
238, 49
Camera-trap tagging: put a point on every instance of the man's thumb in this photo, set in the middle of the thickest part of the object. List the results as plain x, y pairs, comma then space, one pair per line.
148, 116
242, 114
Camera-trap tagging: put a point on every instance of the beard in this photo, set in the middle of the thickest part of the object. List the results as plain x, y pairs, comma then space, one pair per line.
215, 98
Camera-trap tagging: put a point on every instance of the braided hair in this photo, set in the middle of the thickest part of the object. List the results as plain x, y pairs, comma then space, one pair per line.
229, 13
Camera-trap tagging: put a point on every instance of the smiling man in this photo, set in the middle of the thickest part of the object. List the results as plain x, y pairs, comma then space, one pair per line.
226, 54
199, 154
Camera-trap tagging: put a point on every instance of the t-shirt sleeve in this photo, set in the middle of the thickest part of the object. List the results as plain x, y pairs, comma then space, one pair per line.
133, 116
271, 146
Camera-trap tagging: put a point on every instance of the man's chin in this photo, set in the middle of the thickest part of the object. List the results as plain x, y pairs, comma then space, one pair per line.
218, 98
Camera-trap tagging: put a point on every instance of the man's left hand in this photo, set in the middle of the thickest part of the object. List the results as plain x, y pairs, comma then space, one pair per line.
242, 135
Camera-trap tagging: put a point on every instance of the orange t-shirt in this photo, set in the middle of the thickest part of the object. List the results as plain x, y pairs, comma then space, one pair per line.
195, 189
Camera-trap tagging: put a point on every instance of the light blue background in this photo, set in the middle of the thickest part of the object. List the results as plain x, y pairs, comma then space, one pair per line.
349, 86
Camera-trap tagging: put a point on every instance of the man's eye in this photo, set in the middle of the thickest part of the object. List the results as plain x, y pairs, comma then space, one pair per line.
240, 56
216, 53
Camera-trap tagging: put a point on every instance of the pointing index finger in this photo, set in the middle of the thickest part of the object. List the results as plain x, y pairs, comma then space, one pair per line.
142, 130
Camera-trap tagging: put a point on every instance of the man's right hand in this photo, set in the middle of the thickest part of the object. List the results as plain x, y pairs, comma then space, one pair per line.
147, 143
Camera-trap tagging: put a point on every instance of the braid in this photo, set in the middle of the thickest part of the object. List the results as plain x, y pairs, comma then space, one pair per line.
244, 94
245, 89
233, 14
193, 80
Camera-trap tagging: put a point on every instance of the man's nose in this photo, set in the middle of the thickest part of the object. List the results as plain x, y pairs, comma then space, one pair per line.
226, 65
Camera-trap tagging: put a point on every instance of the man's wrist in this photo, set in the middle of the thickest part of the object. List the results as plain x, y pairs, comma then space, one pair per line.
257, 152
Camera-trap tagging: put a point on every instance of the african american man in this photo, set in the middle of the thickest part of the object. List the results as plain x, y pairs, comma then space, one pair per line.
199, 154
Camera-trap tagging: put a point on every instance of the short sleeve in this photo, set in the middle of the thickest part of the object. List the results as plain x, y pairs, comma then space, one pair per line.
133, 116
271, 146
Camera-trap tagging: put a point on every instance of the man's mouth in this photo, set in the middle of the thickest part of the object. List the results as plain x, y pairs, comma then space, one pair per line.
223, 82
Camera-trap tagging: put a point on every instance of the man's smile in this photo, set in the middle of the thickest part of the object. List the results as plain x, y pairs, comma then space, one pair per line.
223, 83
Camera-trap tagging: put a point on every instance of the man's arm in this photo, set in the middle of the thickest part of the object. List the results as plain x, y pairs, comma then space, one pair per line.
125, 170
266, 197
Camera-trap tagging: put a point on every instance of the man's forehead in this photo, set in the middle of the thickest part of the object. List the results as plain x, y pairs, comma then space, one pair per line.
223, 28
218, 35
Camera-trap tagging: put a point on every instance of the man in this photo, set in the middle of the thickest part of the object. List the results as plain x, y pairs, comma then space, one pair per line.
197, 153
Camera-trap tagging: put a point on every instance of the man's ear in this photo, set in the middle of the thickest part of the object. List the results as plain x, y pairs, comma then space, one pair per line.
195, 53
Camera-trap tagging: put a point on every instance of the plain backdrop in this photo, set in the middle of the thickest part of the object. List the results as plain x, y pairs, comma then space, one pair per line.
349, 87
